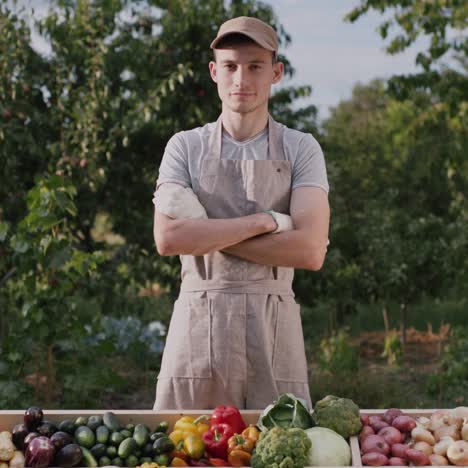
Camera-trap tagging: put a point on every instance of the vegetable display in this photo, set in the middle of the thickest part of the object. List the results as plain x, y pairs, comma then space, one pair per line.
221, 438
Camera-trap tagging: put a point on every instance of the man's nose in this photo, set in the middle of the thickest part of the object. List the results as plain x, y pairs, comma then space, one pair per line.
240, 77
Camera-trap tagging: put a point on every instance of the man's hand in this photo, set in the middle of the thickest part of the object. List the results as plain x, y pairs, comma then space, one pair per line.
283, 222
305, 246
178, 202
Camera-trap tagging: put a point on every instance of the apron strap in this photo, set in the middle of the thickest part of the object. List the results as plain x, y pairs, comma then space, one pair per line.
265, 286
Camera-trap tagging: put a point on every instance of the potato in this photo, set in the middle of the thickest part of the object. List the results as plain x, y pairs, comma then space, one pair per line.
447, 431
438, 460
399, 450
404, 423
441, 447
417, 458
364, 419
391, 435
374, 459
396, 461
423, 447
419, 434
375, 443
391, 414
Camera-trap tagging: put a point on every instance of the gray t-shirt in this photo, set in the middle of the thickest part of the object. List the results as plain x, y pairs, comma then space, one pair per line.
184, 152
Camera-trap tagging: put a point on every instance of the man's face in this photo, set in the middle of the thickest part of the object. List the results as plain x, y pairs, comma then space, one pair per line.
244, 75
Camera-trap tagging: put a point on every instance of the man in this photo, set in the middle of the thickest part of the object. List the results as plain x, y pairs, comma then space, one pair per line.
223, 199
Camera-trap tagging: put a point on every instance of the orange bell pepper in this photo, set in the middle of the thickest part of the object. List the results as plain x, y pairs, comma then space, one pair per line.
239, 458
239, 442
251, 433
178, 462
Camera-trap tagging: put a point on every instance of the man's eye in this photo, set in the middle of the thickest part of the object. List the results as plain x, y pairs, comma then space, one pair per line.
254, 67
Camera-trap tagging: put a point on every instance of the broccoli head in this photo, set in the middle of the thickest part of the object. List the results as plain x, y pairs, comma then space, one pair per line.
338, 414
282, 448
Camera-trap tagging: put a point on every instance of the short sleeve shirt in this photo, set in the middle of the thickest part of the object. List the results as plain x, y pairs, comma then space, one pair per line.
184, 152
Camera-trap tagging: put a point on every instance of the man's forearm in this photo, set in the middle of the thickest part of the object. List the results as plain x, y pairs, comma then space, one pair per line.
201, 236
294, 249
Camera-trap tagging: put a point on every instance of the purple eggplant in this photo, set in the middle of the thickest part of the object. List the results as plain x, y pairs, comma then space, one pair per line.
60, 439
29, 437
40, 452
33, 417
68, 456
46, 428
19, 432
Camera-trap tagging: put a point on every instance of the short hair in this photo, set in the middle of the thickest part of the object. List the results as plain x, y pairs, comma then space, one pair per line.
236, 39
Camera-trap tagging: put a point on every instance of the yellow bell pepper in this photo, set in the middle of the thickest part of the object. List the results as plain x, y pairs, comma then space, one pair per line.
187, 435
194, 426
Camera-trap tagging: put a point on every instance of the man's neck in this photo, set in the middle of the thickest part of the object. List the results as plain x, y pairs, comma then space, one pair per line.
244, 126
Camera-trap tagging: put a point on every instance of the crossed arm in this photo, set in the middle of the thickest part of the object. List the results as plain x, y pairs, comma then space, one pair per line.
250, 238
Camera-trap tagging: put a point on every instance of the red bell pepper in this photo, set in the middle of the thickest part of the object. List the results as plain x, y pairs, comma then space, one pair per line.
228, 415
216, 440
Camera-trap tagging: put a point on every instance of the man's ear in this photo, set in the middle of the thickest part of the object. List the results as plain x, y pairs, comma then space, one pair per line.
212, 67
278, 70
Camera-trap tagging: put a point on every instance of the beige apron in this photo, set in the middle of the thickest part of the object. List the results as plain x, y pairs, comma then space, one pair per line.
235, 335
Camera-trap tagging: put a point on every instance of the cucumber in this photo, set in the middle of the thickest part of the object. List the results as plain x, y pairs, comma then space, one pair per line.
163, 445
68, 426
98, 450
94, 422
102, 434
117, 461
157, 435
148, 450
127, 448
163, 426
162, 460
110, 420
104, 461
130, 427
131, 461
116, 438
141, 435
81, 421
126, 433
88, 458
111, 451
85, 436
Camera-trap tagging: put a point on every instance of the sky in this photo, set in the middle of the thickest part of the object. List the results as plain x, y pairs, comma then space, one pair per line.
327, 53
332, 55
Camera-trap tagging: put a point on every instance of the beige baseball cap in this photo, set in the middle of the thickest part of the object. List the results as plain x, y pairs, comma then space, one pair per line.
263, 34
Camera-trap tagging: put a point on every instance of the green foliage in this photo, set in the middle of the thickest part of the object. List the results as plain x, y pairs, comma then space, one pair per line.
338, 354
451, 380
413, 19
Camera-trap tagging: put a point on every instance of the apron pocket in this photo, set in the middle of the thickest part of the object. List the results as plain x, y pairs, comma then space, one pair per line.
187, 351
289, 359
